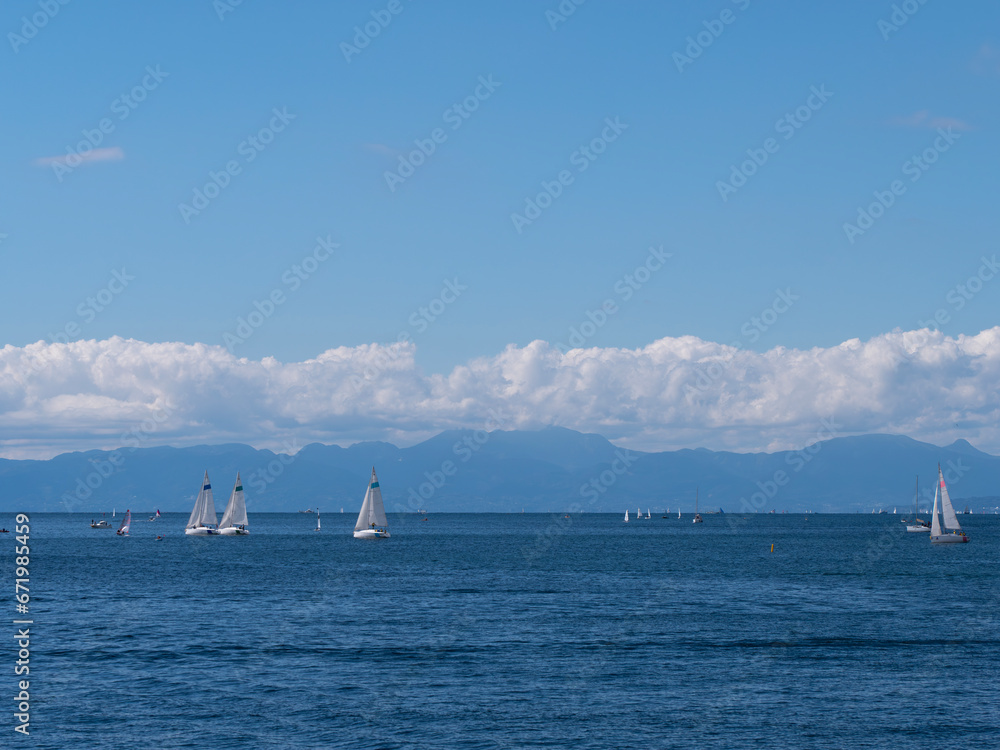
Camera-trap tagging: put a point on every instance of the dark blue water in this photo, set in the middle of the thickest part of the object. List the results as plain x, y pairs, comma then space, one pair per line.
512, 631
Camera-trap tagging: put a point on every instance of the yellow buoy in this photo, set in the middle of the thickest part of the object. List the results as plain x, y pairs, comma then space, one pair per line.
772, 546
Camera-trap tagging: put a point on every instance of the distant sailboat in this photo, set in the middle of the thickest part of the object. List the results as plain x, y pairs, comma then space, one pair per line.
371, 523
234, 520
953, 533
647, 513
678, 514
318, 526
126, 524
697, 516
203, 520
153, 518
626, 515
918, 524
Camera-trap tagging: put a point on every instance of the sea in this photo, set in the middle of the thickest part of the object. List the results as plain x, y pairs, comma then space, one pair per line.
509, 631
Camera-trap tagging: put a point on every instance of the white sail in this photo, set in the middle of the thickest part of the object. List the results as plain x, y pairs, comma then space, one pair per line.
236, 510
372, 512
950, 519
935, 522
203, 513
626, 515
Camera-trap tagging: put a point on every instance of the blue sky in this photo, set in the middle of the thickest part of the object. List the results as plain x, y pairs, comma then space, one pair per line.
890, 94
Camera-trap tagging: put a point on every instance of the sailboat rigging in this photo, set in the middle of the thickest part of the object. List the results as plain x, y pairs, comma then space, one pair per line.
918, 524
202, 521
371, 523
234, 520
953, 533
126, 524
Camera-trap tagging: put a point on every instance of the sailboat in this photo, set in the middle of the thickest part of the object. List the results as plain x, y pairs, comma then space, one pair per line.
626, 515
953, 533
678, 514
234, 520
918, 524
371, 522
157, 516
203, 520
638, 514
697, 516
318, 526
647, 514
126, 524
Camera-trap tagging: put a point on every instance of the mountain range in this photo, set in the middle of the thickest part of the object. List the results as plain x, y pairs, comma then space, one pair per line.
549, 470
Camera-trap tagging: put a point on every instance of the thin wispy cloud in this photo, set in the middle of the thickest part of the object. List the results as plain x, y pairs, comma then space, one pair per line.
987, 61
381, 149
114, 153
924, 119
672, 393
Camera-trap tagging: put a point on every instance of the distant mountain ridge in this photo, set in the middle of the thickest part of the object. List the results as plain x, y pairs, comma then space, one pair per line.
554, 469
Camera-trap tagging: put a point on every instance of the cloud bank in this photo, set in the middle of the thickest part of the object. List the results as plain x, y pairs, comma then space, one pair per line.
673, 393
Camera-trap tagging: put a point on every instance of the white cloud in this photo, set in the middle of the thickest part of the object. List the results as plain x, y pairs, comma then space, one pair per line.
675, 392
85, 157
923, 119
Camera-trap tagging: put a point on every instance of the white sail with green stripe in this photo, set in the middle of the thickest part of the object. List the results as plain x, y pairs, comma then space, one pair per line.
372, 523
234, 519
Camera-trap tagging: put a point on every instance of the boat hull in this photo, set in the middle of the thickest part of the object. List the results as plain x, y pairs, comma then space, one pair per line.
201, 531
233, 531
371, 534
917, 529
949, 539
